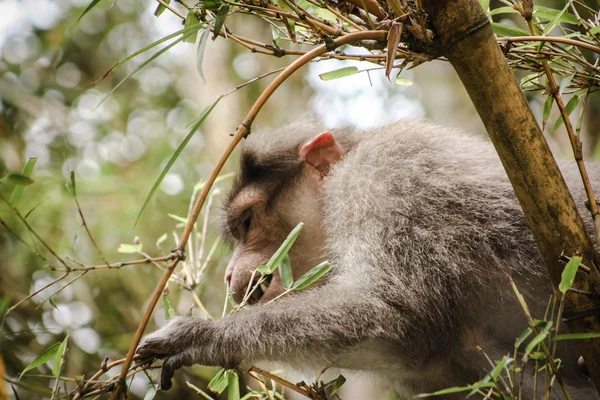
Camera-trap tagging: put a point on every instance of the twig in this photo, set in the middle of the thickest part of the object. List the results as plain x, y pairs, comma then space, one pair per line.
281, 381
168, 7
577, 43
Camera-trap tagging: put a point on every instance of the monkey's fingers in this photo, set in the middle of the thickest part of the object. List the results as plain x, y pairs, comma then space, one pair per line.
170, 365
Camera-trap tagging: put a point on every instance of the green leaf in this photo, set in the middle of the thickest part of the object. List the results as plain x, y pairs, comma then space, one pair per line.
285, 247
233, 386
337, 385
550, 13
505, 30
128, 248
177, 218
339, 73
547, 108
402, 81
161, 239
200, 52
571, 105
151, 391
503, 10
169, 310
504, 362
577, 336
312, 276
537, 339
565, 82
523, 337
485, 4
43, 358
160, 9
568, 274
555, 21
150, 46
457, 389
285, 272
18, 190
199, 120
528, 80
219, 382
594, 30
17, 179
220, 19
88, 9
264, 270
4, 302
71, 186
212, 5
57, 361
152, 58
192, 19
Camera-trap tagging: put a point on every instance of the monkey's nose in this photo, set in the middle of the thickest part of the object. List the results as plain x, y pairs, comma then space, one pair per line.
228, 276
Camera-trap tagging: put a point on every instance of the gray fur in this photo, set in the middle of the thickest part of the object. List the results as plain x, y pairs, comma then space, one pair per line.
422, 228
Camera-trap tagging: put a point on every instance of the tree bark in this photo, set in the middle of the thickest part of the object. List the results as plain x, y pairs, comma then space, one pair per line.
464, 36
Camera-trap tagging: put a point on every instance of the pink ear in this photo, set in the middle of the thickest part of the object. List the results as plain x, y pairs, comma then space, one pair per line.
321, 152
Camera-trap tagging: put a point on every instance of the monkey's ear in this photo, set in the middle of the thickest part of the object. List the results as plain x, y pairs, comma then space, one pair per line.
321, 152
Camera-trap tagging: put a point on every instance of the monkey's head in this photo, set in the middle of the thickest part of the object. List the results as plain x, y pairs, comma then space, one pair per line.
279, 186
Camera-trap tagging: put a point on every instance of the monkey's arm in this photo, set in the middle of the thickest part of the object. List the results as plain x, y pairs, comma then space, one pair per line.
316, 326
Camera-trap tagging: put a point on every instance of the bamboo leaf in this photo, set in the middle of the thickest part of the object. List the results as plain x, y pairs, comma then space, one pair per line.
88, 9
151, 391
547, 108
505, 30
233, 386
565, 82
338, 73
200, 52
17, 179
577, 336
312, 276
337, 385
402, 81
283, 250
219, 382
160, 9
169, 310
555, 21
571, 105
537, 339
161, 239
19, 188
220, 19
457, 389
199, 120
568, 274
42, 358
192, 19
392, 46
285, 272
550, 13
523, 337
503, 10
57, 361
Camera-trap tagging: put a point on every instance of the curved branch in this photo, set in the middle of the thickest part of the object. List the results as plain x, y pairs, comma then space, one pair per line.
577, 43
242, 131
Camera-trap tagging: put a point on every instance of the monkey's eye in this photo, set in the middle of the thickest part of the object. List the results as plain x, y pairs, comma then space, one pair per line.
246, 221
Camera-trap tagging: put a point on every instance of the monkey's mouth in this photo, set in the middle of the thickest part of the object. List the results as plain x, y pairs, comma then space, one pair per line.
258, 288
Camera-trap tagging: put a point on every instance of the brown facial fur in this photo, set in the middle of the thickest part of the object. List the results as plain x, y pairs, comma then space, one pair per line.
270, 220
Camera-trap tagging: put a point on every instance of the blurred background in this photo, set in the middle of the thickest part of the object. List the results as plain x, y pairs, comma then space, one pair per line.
117, 144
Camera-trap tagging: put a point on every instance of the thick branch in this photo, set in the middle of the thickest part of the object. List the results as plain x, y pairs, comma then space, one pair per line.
466, 39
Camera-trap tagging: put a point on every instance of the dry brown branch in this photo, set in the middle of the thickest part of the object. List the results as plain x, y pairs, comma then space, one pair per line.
282, 382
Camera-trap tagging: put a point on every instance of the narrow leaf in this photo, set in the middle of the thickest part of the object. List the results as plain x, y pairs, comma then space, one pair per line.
555, 21
169, 310
151, 391
537, 339
312, 276
4, 302
71, 184
285, 272
57, 361
17, 179
400, 80
43, 358
161, 239
594, 30
565, 82
485, 4
220, 19
233, 386
457, 389
503, 10
577, 336
571, 105
18, 190
88, 9
505, 30
199, 120
127, 248
523, 337
285, 247
547, 108
219, 382
192, 19
568, 274
160, 9
392, 46
550, 13
338, 73
337, 385
200, 52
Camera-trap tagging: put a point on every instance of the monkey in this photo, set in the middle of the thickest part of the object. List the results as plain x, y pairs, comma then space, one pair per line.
422, 229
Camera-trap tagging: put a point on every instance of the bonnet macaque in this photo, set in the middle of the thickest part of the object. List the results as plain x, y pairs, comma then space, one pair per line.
422, 229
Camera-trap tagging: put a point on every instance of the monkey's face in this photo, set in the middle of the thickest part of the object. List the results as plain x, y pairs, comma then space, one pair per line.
260, 221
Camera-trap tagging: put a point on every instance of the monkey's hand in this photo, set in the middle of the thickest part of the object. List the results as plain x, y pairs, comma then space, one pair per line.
181, 343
